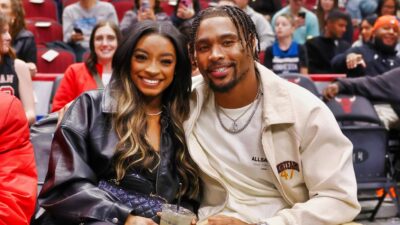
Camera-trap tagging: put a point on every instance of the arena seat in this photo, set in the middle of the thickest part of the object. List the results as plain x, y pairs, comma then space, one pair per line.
40, 8
360, 123
58, 64
44, 29
121, 6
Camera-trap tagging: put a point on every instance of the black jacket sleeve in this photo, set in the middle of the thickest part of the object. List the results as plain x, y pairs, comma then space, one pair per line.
70, 191
379, 88
26, 49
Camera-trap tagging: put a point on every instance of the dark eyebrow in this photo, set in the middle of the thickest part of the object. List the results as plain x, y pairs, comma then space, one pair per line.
145, 52
223, 36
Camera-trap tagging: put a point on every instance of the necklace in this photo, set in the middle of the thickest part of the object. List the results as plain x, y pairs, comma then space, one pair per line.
154, 114
234, 129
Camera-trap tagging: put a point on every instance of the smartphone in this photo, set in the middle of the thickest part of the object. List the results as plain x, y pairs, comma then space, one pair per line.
78, 30
144, 5
302, 15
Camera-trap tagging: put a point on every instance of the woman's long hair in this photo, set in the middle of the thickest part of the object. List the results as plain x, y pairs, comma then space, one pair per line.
129, 120
18, 23
91, 61
321, 14
3, 23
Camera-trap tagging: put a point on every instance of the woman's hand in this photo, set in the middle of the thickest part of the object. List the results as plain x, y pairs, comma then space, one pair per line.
147, 14
184, 12
138, 220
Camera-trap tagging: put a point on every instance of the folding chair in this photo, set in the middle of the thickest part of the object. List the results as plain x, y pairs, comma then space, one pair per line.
303, 81
40, 8
58, 64
121, 6
360, 123
44, 29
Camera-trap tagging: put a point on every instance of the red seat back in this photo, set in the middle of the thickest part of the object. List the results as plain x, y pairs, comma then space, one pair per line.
45, 30
122, 6
47, 9
58, 65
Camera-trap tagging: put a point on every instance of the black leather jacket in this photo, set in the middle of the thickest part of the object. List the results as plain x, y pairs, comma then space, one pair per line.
81, 155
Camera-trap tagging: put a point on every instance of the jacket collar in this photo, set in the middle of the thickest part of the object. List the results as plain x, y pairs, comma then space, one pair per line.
278, 107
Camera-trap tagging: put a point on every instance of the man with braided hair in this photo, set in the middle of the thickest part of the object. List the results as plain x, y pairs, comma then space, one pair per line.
270, 152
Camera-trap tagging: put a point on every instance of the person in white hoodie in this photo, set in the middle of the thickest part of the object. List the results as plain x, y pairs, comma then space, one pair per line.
269, 151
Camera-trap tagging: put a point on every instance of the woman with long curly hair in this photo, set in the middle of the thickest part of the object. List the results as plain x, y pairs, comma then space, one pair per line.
126, 139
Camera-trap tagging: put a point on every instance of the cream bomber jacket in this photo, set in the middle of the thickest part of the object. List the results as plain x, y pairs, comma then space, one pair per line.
310, 157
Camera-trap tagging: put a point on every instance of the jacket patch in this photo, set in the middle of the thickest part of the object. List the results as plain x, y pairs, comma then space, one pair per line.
286, 169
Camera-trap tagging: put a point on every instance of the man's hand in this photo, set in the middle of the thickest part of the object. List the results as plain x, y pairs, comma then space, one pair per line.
138, 220
331, 91
224, 220
353, 60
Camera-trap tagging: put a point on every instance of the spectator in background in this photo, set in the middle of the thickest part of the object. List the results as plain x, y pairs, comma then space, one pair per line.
285, 55
359, 9
79, 19
387, 7
185, 10
383, 88
143, 10
15, 78
322, 12
373, 58
18, 177
23, 40
264, 29
306, 22
322, 49
366, 26
95, 72
267, 8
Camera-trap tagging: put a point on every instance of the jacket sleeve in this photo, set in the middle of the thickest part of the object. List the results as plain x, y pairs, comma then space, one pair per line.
380, 88
18, 177
67, 91
328, 173
70, 191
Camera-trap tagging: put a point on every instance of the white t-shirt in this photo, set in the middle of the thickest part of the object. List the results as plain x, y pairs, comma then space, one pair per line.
105, 78
241, 163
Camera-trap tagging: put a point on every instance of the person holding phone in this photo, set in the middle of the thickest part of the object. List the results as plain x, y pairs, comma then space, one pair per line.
185, 10
143, 10
306, 22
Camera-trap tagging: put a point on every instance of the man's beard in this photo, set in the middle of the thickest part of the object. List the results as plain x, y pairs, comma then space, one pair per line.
236, 78
382, 47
